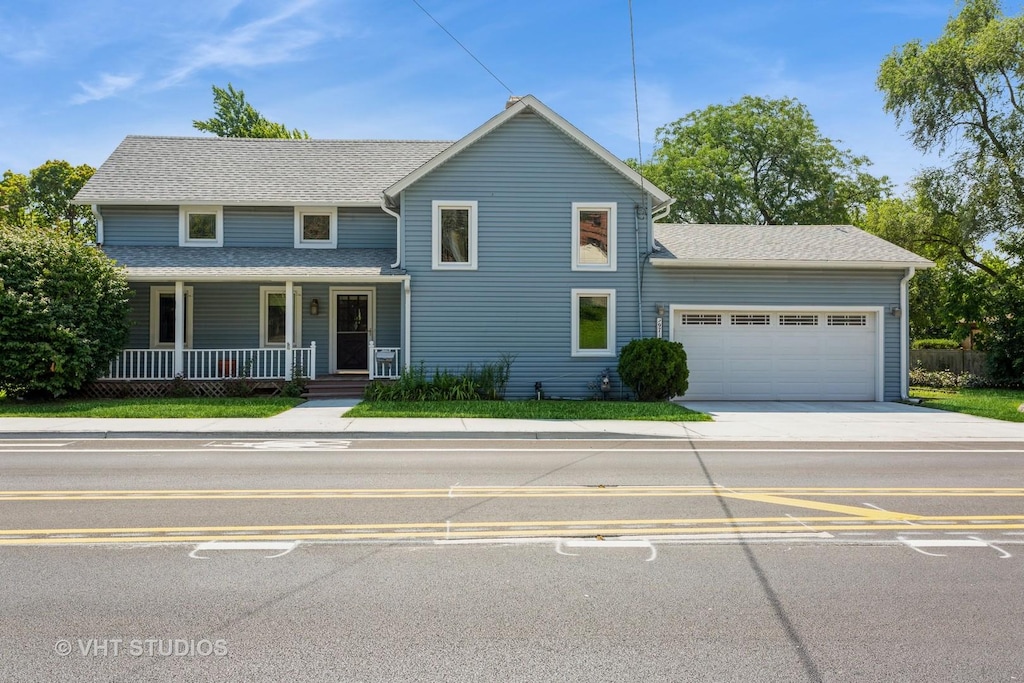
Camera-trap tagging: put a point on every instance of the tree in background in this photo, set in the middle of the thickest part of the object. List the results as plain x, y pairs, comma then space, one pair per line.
759, 161
44, 198
63, 311
960, 97
236, 118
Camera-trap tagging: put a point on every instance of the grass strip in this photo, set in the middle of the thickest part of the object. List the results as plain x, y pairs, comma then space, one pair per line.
531, 410
150, 407
999, 404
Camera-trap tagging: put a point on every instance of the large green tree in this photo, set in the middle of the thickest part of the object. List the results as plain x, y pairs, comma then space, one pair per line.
44, 197
960, 97
235, 118
759, 161
63, 311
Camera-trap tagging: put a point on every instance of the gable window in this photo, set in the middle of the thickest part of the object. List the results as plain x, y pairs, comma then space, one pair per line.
593, 322
316, 228
453, 234
161, 317
273, 307
200, 226
593, 236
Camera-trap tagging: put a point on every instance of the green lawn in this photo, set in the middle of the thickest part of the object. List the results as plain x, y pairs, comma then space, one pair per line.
150, 407
1000, 404
530, 410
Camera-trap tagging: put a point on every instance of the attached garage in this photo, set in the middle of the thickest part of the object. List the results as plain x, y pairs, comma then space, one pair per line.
784, 312
781, 354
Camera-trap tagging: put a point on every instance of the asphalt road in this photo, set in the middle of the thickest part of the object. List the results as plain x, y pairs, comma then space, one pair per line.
510, 560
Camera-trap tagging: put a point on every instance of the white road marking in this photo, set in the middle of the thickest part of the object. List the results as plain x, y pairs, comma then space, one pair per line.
284, 546
601, 543
973, 542
275, 445
33, 444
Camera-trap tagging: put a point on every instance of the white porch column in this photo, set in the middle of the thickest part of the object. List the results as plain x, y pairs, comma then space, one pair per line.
289, 329
179, 328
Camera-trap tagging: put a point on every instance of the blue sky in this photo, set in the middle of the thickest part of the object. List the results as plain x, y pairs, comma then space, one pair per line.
80, 75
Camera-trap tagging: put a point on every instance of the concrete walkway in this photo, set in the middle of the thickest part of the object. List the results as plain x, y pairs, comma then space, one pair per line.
743, 421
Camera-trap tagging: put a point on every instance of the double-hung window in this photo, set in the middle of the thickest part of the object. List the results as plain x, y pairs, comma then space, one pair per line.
316, 228
453, 235
162, 309
273, 314
593, 322
593, 236
200, 226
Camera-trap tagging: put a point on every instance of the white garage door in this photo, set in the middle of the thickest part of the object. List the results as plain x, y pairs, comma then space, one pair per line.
779, 355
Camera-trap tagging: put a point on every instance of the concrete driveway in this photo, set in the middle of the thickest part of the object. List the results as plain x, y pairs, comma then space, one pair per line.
845, 420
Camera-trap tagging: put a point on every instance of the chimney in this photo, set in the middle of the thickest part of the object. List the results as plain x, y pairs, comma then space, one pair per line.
512, 100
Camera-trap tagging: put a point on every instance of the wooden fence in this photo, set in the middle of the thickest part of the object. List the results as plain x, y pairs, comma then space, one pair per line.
956, 360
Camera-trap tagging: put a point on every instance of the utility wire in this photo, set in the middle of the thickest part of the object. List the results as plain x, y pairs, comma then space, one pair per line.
501, 82
636, 98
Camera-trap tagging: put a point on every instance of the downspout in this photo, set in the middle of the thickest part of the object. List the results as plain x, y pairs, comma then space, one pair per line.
398, 231
905, 335
99, 224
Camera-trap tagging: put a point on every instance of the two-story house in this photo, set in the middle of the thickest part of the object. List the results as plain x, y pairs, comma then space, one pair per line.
524, 237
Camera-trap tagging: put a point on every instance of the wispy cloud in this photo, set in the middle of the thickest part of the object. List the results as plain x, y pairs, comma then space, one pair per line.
107, 86
257, 43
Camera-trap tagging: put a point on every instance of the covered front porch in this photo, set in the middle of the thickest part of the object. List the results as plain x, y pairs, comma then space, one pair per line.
237, 320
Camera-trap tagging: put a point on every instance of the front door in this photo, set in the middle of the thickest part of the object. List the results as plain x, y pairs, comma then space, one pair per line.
353, 332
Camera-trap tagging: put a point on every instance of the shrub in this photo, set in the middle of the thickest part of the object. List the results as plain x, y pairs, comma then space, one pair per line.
934, 344
655, 369
1004, 339
63, 311
489, 383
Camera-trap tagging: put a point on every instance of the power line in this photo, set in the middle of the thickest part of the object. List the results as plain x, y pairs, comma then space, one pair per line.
502, 83
636, 97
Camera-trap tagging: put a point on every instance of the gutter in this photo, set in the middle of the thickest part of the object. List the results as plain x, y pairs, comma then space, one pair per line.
780, 263
398, 230
905, 336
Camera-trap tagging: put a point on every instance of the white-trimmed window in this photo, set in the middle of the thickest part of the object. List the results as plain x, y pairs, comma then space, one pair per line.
593, 235
200, 226
161, 317
593, 322
316, 227
273, 304
453, 234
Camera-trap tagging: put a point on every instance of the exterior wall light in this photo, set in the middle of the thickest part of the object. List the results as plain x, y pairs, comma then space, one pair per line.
314, 307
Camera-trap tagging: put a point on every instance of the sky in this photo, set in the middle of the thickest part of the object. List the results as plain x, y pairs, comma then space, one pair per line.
77, 76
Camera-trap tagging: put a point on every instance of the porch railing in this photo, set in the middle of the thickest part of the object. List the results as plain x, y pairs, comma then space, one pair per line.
385, 362
213, 364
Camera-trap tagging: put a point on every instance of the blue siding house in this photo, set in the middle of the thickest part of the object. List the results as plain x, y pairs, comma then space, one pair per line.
525, 237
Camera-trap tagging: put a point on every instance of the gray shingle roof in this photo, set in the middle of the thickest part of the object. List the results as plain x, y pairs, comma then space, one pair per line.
810, 245
176, 170
252, 263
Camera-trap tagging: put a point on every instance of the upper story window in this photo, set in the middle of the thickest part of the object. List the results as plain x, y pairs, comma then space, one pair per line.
200, 226
454, 231
316, 228
593, 236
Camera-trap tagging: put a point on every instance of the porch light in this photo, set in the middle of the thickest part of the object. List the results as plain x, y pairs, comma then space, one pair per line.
314, 307
895, 311
661, 310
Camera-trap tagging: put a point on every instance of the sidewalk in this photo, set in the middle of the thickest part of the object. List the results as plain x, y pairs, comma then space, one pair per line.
734, 421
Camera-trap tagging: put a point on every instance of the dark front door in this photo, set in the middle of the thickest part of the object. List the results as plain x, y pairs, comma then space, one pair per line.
353, 333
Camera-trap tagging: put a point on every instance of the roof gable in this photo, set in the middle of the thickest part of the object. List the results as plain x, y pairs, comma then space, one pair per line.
530, 103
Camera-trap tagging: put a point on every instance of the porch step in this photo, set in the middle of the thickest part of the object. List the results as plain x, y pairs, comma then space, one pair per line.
337, 386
